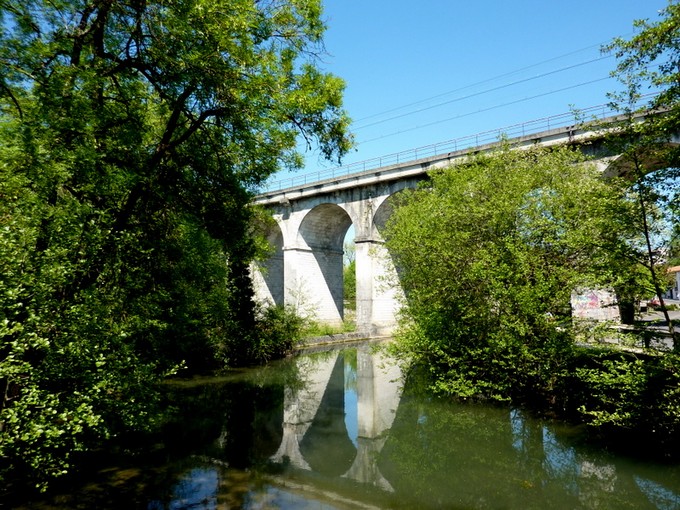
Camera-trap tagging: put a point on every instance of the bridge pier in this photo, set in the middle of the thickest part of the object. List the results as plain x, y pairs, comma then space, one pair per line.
377, 291
306, 269
268, 279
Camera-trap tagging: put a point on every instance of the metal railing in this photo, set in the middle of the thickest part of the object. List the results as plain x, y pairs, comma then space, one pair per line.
466, 142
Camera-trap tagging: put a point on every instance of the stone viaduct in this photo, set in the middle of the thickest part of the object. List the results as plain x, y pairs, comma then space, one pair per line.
305, 270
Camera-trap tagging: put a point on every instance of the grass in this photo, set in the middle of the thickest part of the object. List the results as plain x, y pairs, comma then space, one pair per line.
316, 329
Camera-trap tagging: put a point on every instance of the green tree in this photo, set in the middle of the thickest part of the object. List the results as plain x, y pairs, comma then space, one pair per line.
349, 275
649, 68
489, 253
132, 137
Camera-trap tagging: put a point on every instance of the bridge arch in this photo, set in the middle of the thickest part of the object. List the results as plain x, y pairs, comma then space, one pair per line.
384, 212
313, 263
324, 227
623, 165
378, 290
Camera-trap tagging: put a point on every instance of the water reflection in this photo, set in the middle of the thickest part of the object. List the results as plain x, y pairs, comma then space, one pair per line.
593, 480
350, 427
300, 406
197, 488
378, 395
336, 423
346, 429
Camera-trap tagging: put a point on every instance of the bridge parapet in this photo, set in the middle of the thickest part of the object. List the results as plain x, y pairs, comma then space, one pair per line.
530, 130
576, 134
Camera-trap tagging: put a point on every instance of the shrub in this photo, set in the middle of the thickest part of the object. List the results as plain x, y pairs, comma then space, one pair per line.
619, 393
277, 330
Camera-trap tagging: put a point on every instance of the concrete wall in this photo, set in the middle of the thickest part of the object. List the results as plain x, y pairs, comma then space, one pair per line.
594, 304
268, 274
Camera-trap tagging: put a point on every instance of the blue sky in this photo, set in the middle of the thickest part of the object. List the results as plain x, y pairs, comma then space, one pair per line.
422, 73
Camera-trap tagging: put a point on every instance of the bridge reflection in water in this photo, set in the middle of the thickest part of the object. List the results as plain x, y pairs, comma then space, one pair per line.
349, 419
315, 427
346, 430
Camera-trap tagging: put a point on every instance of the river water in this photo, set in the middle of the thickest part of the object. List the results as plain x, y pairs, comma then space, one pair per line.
340, 429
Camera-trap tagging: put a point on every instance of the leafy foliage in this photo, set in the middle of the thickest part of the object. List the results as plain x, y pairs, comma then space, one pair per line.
349, 280
278, 329
132, 136
619, 392
489, 253
648, 69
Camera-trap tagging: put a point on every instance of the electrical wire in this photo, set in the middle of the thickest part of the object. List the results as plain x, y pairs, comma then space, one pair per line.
482, 92
494, 107
482, 82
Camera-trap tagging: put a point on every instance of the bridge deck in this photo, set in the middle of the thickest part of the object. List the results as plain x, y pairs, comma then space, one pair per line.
418, 161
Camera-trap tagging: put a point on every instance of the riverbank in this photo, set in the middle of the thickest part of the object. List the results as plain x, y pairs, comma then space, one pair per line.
339, 338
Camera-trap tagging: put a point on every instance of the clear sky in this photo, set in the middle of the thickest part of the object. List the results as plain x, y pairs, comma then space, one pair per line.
419, 73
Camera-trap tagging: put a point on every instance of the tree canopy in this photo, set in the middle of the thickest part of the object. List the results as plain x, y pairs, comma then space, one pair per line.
132, 135
648, 68
489, 253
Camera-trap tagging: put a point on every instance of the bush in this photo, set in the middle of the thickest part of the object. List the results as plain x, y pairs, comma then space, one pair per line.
619, 393
277, 330
488, 254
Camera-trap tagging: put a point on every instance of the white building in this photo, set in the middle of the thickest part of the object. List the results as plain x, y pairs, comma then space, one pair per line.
674, 291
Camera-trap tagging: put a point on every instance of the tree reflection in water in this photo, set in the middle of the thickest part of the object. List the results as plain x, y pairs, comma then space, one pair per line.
345, 429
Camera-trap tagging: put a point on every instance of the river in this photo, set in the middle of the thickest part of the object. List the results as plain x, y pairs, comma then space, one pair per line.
340, 429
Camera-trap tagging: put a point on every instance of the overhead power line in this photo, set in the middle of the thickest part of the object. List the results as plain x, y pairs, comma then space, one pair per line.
494, 107
481, 92
482, 82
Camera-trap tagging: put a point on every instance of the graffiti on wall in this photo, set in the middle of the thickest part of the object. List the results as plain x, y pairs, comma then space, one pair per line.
599, 305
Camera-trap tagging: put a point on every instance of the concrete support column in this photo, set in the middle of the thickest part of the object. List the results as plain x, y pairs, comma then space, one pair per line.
268, 282
378, 396
313, 283
377, 289
364, 286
